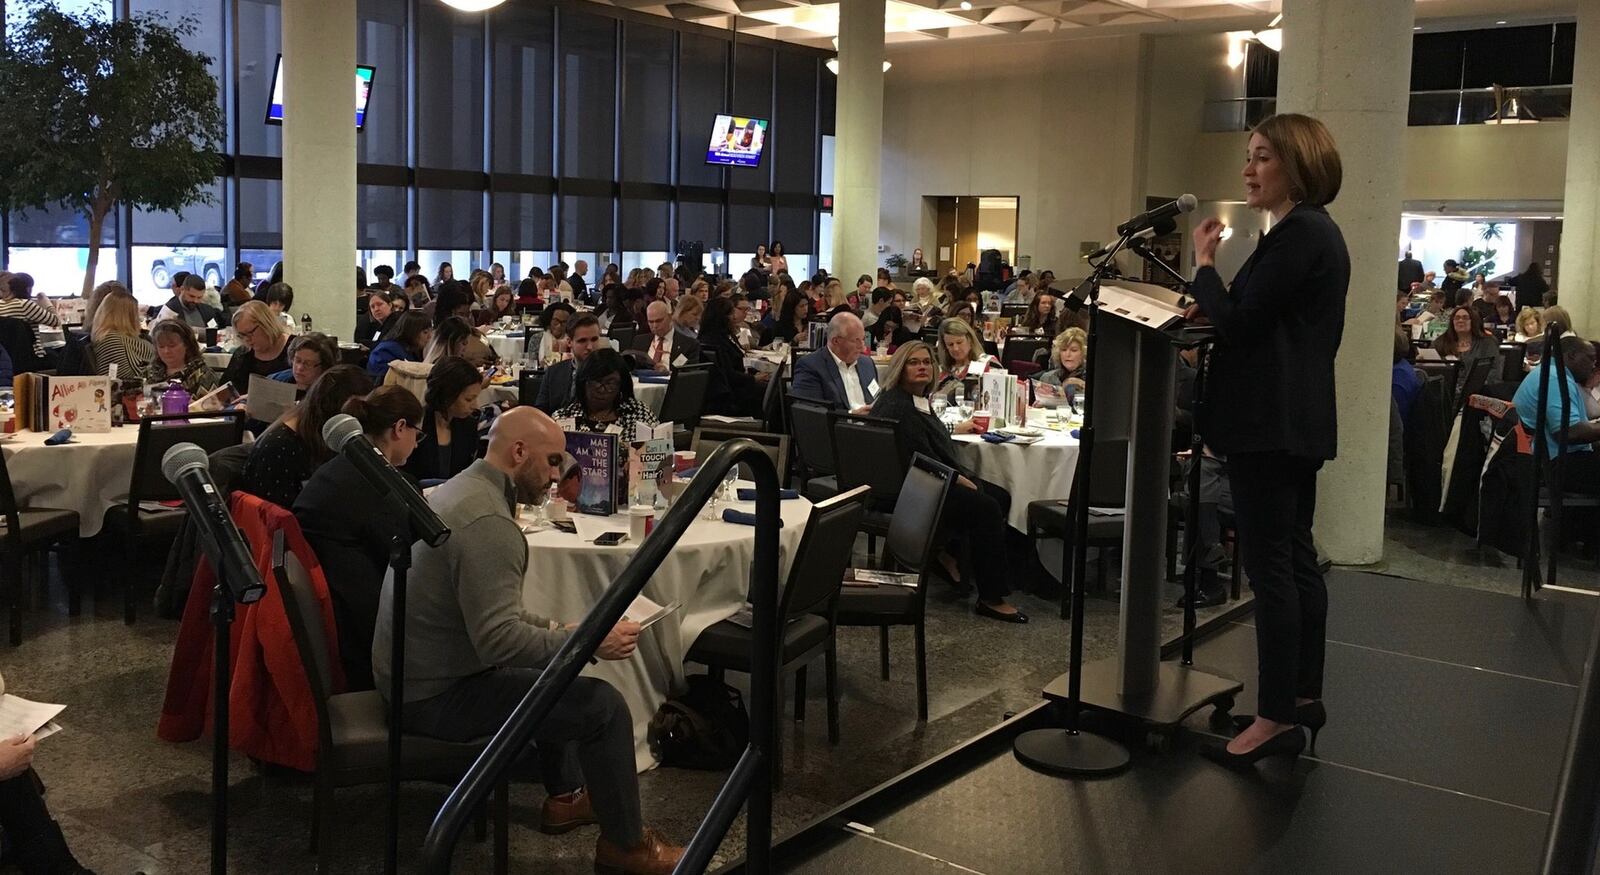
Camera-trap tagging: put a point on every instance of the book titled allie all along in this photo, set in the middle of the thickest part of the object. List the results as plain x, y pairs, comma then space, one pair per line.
82, 404
598, 479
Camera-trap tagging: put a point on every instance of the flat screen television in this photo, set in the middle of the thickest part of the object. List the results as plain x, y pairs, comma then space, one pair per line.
737, 141
364, 75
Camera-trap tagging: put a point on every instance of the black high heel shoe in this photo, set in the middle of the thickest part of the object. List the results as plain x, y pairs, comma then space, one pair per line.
1289, 743
1312, 715
983, 610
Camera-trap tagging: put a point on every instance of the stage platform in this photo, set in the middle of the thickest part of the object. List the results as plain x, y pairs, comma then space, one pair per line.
1448, 716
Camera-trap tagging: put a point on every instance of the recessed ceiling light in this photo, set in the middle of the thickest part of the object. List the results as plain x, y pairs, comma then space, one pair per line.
1501, 21
965, 6
1418, 27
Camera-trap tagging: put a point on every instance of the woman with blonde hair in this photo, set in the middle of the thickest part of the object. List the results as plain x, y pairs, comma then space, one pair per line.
264, 347
116, 339
960, 354
690, 308
1529, 324
1070, 355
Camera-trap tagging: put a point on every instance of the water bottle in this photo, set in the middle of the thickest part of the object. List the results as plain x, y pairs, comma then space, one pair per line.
175, 399
305, 322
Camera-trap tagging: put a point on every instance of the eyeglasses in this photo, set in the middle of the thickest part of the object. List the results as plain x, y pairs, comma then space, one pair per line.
247, 334
609, 384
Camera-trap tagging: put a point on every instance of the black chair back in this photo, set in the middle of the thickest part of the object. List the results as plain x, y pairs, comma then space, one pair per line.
824, 553
1477, 377
8, 507
813, 436
914, 529
772, 405
1014, 312
1021, 348
623, 333
157, 434
776, 445
528, 387
16, 337
876, 457
77, 357
685, 400
797, 352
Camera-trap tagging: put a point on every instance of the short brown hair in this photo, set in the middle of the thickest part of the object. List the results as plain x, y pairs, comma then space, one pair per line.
1309, 156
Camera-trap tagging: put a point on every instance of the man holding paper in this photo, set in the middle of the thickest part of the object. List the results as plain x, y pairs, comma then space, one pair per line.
838, 375
667, 347
472, 652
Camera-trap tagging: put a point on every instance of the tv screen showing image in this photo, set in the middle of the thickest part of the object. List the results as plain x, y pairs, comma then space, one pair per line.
364, 75
737, 141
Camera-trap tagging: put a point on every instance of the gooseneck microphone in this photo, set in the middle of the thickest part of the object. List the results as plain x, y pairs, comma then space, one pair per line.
1148, 218
187, 467
342, 433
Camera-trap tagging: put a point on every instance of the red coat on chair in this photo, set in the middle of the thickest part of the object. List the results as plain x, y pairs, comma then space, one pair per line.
271, 714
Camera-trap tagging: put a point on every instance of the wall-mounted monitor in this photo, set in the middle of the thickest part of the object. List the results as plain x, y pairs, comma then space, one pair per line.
364, 75
737, 141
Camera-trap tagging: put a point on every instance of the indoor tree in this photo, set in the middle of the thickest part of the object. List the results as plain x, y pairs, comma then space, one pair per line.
105, 114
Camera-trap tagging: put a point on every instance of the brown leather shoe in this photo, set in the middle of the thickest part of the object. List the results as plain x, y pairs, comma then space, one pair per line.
653, 856
565, 813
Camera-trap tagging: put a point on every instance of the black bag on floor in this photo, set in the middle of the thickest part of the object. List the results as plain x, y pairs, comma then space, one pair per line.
705, 728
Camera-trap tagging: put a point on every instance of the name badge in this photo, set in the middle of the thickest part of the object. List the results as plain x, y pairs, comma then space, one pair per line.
873, 387
613, 428
680, 361
566, 424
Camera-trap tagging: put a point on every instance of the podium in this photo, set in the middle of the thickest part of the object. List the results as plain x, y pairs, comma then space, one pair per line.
1134, 337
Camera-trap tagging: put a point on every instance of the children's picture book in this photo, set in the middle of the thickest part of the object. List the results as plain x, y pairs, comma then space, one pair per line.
82, 404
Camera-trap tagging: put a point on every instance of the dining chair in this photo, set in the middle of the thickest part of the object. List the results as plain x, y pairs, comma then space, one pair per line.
706, 440
812, 433
876, 458
24, 547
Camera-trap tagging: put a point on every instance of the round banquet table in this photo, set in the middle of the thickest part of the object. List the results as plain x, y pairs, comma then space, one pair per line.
88, 475
1033, 472
707, 573
507, 347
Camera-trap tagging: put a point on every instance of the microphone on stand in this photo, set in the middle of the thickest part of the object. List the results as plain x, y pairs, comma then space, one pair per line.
342, 433
1148, 218
187, 467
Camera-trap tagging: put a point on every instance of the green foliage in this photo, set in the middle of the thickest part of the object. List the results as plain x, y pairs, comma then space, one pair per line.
896, 261
1490, 231
105, 113
1475, 261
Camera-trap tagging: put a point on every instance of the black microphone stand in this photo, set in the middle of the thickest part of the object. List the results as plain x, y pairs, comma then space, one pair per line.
1069, 750
399, 565
222, 612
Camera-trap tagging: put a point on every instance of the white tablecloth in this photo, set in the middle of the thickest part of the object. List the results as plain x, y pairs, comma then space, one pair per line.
218, 360
708, 573
1030, 473
506, 347
88, 475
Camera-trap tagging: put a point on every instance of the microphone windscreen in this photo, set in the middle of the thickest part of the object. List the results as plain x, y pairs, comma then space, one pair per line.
339, 430
181, 457
1187, 203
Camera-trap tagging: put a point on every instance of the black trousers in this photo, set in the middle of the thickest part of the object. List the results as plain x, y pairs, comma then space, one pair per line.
978, 516
1580, 472
1274, 502
37, 844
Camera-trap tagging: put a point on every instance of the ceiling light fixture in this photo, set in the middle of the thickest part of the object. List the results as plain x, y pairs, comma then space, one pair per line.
1272, 38
966, 6
473, 5
1508, 110
833, 65
1501, 21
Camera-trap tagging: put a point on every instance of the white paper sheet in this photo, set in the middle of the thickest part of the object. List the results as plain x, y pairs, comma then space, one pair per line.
19, 716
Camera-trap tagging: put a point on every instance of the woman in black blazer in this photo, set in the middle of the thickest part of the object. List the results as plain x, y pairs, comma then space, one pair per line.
975, 507
449, 439
1270, 410
734, 391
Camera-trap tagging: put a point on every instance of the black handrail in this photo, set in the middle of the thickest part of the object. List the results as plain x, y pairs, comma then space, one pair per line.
751, 780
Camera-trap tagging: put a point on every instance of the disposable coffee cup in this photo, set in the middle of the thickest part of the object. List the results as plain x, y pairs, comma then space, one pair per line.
683, 460
557, 509
641, 519
980, 423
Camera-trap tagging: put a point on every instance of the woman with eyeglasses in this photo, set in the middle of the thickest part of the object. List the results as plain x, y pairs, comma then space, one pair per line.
354, 548
265, 346
291, 450
603, 397
449, 421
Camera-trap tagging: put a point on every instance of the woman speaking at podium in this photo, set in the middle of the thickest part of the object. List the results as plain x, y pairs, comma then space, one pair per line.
1270, 410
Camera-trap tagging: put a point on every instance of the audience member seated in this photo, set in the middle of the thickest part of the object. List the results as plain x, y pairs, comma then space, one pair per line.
1069, 353
834, 300
604, 398
117, 340
1505, 314
406, 342
265, 350
473, 651
178, 358
237, 290
1465, 340
1485, 306
34, 841
353, 548
926, 300
1404, 382
960, 355
1530, 325
374, 325
310, 356
964, 311
976, 509
877, 301
691, 308
838, 375
1041, 316
889, 331
188, 305
1023, 292
1581, 471
502, 305
456, 336
417, 291
886, 280
290, 451
665, 346
17, 303
616, 306
1430, 311
279, 298
555, 390
734, 391
793, 318
449, 439
454, 300
554, 344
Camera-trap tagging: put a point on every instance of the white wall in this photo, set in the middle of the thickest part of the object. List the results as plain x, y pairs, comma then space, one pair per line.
1055, 125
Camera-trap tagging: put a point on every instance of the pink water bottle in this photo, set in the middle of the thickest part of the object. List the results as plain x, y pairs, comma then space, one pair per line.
175, 399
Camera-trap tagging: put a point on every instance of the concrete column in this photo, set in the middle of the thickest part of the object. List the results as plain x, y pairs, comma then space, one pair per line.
1353, 72
319, 161
1580, 230
858, 138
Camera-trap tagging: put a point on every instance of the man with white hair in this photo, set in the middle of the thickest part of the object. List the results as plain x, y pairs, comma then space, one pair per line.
667, 346
838, 375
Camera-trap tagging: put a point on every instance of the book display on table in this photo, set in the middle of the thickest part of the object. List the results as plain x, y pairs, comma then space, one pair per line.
591, 481
46, 403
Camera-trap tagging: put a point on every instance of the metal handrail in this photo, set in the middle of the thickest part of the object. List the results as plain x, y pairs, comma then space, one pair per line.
751, 779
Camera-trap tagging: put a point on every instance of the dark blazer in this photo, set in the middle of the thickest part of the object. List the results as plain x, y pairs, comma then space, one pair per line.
579, 286
733, 392
354, 551
1410, 271
425, 463
683, 343
370, 332
816, 378
1271, 382
555, 390
918, 432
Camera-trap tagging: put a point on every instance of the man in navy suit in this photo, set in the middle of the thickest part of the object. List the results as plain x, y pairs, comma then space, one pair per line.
555, 392
838, 375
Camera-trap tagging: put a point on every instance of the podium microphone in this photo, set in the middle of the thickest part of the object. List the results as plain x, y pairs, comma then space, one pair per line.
187, 467
1148, 218
342, 433
1160, 227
